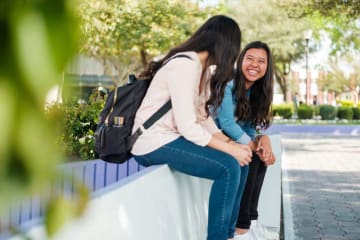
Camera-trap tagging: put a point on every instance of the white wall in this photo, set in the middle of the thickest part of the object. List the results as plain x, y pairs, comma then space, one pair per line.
160, 204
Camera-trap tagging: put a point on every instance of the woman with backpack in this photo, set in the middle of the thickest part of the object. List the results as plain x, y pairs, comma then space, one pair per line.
244, 108
186, 138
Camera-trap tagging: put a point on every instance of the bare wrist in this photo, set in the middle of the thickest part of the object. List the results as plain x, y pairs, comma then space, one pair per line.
252, 145
257, 138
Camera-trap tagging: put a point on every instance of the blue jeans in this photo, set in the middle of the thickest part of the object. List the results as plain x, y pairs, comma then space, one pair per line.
205, 162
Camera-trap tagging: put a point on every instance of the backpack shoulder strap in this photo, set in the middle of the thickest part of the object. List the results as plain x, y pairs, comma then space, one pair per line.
158, 114
167, 106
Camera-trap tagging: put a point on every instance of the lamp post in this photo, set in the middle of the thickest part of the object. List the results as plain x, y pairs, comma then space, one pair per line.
307, 83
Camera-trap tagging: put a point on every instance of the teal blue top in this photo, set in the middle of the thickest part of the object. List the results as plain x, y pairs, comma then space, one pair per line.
240, 131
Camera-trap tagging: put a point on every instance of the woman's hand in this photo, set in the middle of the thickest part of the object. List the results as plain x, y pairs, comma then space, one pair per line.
264, 150
241, 152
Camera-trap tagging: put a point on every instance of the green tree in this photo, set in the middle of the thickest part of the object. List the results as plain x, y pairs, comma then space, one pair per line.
334, 79
273, 25
338, 79
340, 19
37, 39
355, 75
126, 34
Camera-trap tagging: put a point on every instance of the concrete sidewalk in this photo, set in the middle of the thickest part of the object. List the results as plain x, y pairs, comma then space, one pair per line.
321, 187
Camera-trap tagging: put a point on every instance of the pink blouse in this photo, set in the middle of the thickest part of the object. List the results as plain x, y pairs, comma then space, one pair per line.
179, 80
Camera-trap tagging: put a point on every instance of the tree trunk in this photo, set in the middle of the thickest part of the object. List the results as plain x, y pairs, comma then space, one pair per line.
143, 58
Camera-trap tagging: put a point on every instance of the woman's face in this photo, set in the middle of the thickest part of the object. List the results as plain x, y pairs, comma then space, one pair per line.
254, 65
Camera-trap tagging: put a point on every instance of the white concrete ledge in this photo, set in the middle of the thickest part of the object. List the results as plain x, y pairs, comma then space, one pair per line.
160, 204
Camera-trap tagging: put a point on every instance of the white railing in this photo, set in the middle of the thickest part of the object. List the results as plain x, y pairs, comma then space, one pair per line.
95, 174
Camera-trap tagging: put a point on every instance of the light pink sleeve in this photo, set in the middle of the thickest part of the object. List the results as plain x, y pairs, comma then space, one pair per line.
183, 80
210, 125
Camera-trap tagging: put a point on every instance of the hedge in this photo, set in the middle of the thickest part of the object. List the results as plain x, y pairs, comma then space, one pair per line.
283, 110
345, 113
327, 112
305, 112
356, 113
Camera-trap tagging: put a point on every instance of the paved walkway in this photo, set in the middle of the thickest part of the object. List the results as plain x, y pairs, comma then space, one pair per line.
321, 187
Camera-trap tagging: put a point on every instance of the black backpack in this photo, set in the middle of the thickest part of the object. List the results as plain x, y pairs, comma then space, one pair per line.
113, 138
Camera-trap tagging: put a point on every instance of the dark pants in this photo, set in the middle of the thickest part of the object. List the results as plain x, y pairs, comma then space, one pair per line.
250, 198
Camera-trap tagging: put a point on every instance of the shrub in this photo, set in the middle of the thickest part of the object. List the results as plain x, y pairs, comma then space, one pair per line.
305, 112
327, 112
77, 122
345, 113
283, 110
316, 110
356, 113
346, 103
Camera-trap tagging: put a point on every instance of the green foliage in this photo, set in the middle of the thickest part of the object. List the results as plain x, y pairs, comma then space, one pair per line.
62, 209
335, 79
78, 123
356, 113
351, 9
346, 103
305, 112
37, 40
345, 113
316, 110
125, 34
338, 18
272, 24
327, 112
283, 110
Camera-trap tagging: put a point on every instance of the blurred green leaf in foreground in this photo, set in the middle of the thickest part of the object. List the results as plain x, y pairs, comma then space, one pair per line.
38, 37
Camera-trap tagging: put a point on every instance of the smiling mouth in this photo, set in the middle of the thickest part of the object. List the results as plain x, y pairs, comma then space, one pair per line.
252, 72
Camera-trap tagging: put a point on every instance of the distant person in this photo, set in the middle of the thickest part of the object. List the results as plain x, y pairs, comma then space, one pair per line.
315, 101
246, 106
186, 138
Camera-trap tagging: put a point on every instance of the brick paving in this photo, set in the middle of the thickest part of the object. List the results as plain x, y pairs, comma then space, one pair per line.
322, 174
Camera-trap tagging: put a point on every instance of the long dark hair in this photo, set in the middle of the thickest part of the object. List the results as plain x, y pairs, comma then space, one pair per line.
220, 36
256, 107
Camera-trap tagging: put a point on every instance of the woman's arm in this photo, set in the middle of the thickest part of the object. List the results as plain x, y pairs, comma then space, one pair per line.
227, 123
183, 80
183, 77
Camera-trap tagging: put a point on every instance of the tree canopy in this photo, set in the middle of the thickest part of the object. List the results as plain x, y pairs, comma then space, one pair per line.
272, 25
129, 33
339, 18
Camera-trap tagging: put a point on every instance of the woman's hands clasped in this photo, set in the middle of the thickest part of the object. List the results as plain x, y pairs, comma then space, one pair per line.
241, 152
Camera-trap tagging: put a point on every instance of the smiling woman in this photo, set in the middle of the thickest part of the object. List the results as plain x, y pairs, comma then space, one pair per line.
254, 65
244, 110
